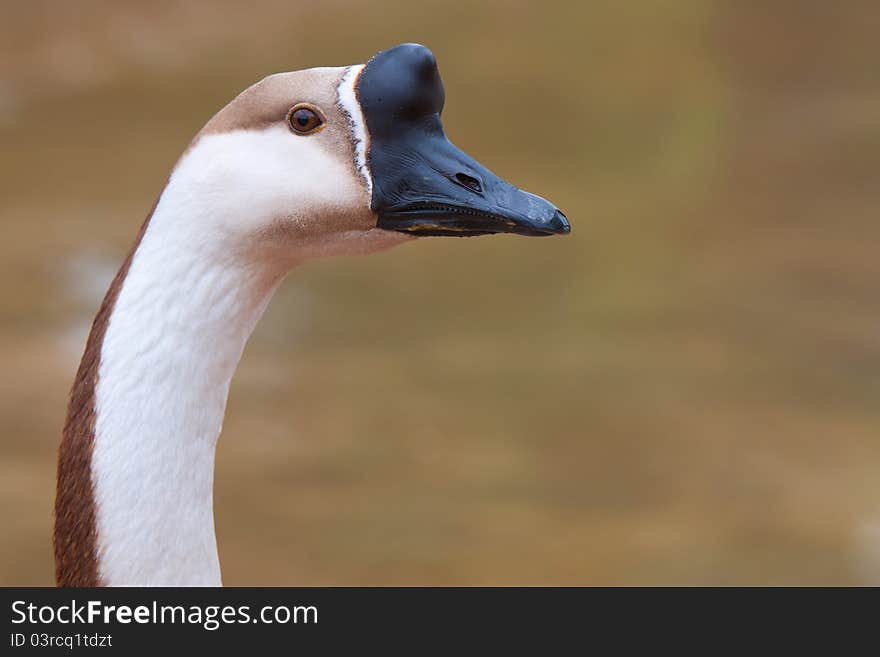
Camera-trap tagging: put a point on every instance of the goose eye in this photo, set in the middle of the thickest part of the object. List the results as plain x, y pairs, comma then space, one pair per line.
304, 120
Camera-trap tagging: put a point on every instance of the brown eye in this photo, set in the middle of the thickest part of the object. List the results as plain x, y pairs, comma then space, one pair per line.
304, 119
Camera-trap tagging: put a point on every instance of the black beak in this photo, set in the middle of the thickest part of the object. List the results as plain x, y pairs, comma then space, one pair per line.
422, 183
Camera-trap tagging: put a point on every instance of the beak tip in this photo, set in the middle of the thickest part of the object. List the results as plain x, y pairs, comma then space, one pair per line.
559, 224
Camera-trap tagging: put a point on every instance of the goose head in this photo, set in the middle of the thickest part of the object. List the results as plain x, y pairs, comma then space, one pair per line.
353, 159
330, 161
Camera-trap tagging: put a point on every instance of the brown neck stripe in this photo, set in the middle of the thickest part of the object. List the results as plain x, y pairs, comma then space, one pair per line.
76, 532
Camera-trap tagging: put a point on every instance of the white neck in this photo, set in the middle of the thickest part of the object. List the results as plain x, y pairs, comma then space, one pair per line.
177, 331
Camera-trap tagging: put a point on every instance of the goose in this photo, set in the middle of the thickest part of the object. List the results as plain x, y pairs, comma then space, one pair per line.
305, 164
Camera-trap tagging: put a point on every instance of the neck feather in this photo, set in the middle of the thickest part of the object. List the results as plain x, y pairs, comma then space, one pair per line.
174, 330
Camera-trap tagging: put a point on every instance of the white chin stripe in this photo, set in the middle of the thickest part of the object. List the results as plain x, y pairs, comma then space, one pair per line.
349, 103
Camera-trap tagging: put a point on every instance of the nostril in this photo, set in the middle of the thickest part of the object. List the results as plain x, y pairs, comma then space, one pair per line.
470, 182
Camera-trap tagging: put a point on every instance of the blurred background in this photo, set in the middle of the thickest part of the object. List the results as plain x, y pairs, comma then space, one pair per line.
683, 391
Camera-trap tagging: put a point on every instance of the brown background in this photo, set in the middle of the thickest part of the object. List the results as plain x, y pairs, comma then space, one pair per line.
684, 391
